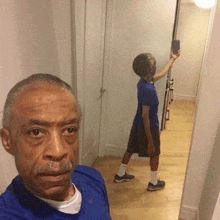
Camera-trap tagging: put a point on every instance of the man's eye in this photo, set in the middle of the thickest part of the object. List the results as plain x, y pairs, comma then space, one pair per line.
70, 130
35, 132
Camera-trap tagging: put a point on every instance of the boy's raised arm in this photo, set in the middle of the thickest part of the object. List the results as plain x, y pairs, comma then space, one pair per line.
164, 70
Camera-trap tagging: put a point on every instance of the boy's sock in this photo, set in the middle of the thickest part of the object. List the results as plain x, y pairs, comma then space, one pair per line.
154, 177
122, 169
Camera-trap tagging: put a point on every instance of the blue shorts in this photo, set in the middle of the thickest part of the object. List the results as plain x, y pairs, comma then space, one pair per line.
138, 141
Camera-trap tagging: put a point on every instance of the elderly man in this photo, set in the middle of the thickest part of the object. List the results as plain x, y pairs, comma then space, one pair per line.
40, 129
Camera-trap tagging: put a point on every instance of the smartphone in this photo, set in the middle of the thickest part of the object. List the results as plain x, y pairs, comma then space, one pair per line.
175, 46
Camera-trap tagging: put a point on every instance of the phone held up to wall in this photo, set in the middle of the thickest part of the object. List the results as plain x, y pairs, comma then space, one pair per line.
175, 46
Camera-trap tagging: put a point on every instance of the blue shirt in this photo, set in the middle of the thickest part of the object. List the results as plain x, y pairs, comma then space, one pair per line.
147, 95
18, 203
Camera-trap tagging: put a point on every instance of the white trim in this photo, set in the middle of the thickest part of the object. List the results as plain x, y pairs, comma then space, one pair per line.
136, 157
189, 213
80, 63
75, 71
184, 97
111, 150
216, 213
90, 156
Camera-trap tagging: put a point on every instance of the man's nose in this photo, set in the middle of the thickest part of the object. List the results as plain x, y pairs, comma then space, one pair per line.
55, 149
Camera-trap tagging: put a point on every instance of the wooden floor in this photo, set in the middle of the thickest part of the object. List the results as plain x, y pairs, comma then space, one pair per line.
130, 200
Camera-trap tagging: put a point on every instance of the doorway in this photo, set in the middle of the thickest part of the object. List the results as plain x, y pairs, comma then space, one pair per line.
129, 32
109, 34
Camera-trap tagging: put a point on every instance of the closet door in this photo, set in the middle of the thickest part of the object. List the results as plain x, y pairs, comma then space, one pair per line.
89, 23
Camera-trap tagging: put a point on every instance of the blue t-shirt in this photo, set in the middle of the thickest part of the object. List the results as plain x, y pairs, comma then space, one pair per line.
147, 95
18, 203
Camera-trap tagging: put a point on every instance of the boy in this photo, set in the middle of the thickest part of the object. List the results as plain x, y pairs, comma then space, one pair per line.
144, 137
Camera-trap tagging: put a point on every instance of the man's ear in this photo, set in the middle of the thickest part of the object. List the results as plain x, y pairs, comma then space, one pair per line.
6, 140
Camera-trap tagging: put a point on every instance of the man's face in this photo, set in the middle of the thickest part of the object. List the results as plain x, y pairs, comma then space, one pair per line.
44, 139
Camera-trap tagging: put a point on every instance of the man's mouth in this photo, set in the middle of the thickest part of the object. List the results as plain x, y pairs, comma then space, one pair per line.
51, 173
55, 177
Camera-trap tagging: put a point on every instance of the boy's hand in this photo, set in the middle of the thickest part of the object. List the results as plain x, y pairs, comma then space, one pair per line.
176, 55
150, 148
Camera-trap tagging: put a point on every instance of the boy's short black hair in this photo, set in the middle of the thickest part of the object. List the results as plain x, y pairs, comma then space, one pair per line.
144, 64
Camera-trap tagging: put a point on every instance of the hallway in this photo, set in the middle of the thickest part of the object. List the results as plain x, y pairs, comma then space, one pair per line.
130, 200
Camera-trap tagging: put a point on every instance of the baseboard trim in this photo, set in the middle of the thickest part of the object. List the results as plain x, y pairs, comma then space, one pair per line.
136, 157
189, 213
112, 150
184, 97
90, 157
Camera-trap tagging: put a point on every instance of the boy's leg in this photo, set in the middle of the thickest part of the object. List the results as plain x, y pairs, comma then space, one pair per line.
126, 157
123, 165
132, 147
122, 175
155, 183
154, 162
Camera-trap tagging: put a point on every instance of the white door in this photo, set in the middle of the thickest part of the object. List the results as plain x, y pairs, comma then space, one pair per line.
132, 27
89, 27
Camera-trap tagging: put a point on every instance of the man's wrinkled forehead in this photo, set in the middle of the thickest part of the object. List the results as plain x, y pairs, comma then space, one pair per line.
43, 97
41, 91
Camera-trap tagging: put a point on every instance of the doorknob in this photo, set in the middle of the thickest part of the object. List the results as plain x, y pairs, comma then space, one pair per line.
102, 91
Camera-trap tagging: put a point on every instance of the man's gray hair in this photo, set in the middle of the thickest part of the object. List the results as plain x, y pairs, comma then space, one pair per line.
38, 77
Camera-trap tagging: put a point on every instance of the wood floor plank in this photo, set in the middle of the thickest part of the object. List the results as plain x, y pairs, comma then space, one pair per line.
130, 200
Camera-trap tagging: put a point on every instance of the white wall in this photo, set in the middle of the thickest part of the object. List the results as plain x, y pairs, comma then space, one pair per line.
206, 121
192, 32
35, 37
